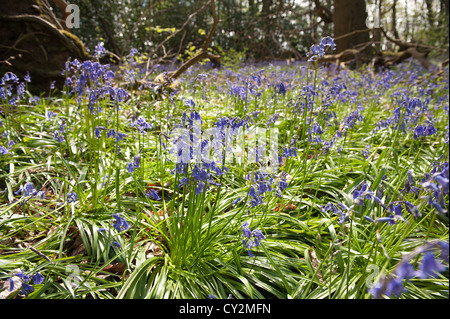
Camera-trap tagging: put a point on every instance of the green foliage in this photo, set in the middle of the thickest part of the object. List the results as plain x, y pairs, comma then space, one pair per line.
116, 240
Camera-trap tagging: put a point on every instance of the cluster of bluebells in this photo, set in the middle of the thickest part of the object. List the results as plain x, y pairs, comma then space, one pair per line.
251, 238
153, 194
28, 191
141, 125
396, 213
136, 163
318, 50
433, 254
130, 66
365, 193
113, 134
349, 122
58, 134
5, 150
92, 80
120, 225
191, 144
437, 185
424, 130
409, 112
24, 283
264, 183
366, 151
409, 186
72, 197
12, 89
248, 89
201, 176
359, 196
342, 211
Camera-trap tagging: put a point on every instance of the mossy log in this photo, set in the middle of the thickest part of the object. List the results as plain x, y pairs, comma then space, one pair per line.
33, 40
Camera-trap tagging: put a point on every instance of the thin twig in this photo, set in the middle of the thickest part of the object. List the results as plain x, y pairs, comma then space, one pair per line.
40, 254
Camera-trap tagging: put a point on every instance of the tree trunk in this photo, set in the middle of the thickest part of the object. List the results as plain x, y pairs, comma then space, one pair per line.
349, 16
430, 14
33, 40
394, 19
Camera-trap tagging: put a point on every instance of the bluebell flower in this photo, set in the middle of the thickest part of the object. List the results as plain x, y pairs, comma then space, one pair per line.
389, 220
405, 270
369, 219
424, 130
97, 130
430, 266
111, 133
153, 194
61, 128
99, 50
137, 161
27, 77
366, 151
282, 184
116, 244
28, 189
72, 197
377, 289
26, 289
395, 287
130, 167
444, 251
326, 207
189, 103
37, 278
3, 150
59, 137
120, 136
318, 50
11, 285
121, 224
141, 124
251, 238
365, 193
23, 276
280, 88
50, 114
40, 194
183, 181
255, 200
246, 230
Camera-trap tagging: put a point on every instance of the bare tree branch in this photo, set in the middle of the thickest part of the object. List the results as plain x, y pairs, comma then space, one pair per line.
174, 34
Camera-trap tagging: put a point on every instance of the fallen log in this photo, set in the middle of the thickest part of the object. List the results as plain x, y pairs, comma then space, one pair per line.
360, 55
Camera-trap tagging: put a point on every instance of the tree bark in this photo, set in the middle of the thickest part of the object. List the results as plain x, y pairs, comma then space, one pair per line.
349, 16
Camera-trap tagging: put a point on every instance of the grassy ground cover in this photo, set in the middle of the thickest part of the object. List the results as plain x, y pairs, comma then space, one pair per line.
95, 202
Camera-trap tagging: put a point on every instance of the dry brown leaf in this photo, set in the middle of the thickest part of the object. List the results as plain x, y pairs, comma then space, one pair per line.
117, 268
285, 207
152, 250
